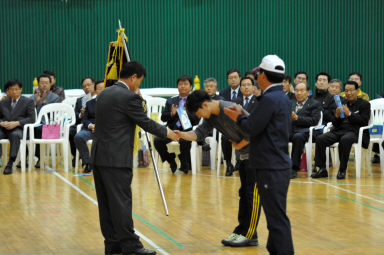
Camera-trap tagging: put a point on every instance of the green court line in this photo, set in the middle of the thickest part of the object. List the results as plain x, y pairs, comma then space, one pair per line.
367, 205
379, 195
142, 219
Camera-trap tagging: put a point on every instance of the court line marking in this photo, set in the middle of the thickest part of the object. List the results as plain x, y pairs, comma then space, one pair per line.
359, 202
149, 241
351, 192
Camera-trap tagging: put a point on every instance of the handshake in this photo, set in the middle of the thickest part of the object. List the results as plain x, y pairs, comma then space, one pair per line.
175, 135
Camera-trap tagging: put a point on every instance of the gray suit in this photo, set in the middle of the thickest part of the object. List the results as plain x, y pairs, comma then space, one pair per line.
118, 111
51, 98
24, 112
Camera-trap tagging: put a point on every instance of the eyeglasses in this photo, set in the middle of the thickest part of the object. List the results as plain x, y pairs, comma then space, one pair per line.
349, 91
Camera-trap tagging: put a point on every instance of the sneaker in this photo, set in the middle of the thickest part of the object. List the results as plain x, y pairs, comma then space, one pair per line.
242, 241
227, 241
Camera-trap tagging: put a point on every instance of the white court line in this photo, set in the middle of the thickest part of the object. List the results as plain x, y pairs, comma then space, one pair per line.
149, 241
351, 192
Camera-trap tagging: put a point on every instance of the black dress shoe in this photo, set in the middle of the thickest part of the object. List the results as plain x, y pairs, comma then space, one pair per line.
37, 164
293, 174
184, 168
229, 171
340, 174
141, 251
87, 169
320, 174
8, 169
376, 159
172, 162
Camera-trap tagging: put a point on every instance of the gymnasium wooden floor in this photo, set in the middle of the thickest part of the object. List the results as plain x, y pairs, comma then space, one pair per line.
54, 212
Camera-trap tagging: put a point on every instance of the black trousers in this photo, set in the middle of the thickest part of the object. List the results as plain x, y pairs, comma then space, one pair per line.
226, 147
298, 142
114, 196
72, 133
185, 148
273, 188
345, 139
249, 203
14, 136
38, 134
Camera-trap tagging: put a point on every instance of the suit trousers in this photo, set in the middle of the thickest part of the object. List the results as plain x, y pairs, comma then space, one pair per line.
298, 142
273, 188
345, 139
38, 134
14, 136
249, 203
226, 147
72, 133
81, 139
114, 196
185, 148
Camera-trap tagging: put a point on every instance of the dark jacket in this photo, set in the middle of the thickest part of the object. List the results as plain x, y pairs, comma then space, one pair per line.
89, 114
360, 115
268, 125
24, 111
251, 103
226, 93
327, 103
58, 91
118, 111
78, 106
166, 115
308, 116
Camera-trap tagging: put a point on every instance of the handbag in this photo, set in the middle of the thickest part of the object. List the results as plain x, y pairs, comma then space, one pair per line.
51, 131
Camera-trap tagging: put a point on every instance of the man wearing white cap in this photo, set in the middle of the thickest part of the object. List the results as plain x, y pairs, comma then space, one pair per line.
268, 126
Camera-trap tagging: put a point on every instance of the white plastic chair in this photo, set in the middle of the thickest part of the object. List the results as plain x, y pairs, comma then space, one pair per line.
71, 101
55, 113
360, 155
377, 107
309, 144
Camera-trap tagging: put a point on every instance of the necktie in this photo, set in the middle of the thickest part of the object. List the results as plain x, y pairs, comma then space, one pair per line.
13, 104
299, 106
246, 103
181, 106
233, 95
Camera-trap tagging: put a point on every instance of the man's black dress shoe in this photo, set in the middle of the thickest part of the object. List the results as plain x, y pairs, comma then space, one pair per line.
320, 174
8, 169
293, 174
141, 251
87, 169
229, 171
340, 174
172, 162
37, 164
376, 159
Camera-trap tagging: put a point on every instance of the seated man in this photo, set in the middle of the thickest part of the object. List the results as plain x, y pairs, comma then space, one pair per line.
305, 113
15, 112
357, 77
53, 88
210, 86
345, 130
88, 129
287, 86
214, 117
42, 97
335, 87
170, 115
88, 85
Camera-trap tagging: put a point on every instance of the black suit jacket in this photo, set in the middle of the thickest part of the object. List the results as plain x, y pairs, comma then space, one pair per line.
308, 116
251, 104
226, 93
166, 115
89, 114
118, 111
78, 106
327, 103
217, 97
24, 111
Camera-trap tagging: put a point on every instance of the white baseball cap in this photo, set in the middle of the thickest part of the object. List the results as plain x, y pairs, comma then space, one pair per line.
272, 63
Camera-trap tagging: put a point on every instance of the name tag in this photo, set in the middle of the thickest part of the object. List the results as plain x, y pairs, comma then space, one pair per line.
184, 119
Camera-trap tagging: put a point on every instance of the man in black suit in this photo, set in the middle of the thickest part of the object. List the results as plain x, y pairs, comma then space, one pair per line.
118, 110
323, 96
87, 131
88, 85
248, 100
305, 113
345, 130
15, 112
230, 94
171, 115
210, 86
287, 86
